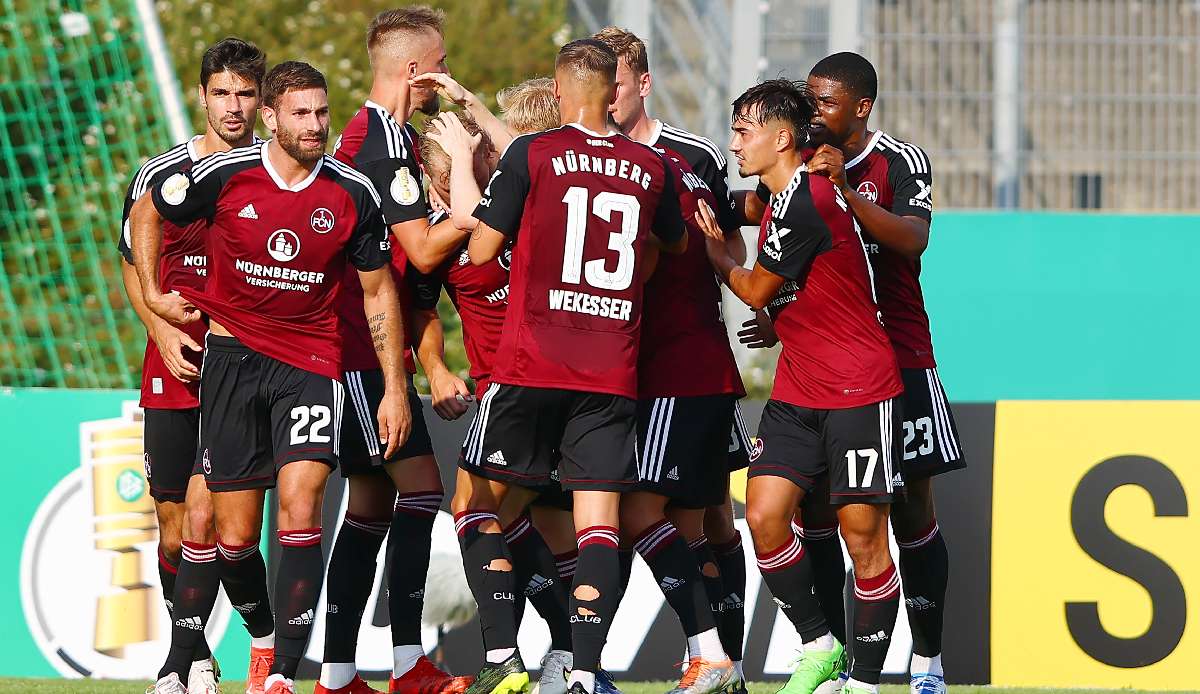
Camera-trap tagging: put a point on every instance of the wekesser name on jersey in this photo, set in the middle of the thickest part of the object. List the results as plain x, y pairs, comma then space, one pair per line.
570, 162
592, 305
276, 277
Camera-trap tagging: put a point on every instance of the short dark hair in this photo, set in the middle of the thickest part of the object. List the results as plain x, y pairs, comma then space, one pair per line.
626, 45
288, 76
778, 99
852, 71
242, 58
588, 59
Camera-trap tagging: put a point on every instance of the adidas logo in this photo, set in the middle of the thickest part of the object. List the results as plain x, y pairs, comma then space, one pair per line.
919, 603
875, 638
673, 474
464, 258
733, 601
170, 606
537, 584
897, 480
303, 620
497, 458
417, 594
669, 584
193, 623
246, 608
248, 212
782, 604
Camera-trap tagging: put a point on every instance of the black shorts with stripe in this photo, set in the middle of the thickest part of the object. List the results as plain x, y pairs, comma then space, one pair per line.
170, 451
683, 448
930, 436
856, 448
362, 453
740, 442
522, 434
258, 414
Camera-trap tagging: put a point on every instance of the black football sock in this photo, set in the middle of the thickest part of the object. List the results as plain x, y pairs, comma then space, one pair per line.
925, 568
788, 573
536, 571
565, 563
674, 567
244, 576
348, 583
595, 595
829, 575
409, 541
297, 588
168, 569
710, 575
196, 587
876, 601
493, 589
731, 561
625, 567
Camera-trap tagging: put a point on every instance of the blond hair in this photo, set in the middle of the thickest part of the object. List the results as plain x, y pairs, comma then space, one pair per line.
627, 46
433, 157
408, 20
529, 107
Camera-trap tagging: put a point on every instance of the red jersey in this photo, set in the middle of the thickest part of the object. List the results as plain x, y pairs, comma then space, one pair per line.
835, 352
897, 177
277, 253
384, 151
479, 293
181, 267
685, 349
579, 206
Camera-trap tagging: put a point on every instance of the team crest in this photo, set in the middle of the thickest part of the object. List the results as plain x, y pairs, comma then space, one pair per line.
756, 448
283, 245
322, 220
204, 463
174, 189
505, 259
868, 190
405, 189
146, 461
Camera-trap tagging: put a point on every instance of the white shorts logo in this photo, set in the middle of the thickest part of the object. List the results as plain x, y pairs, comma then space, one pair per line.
283, 245
174, 189
322, 220
404, 188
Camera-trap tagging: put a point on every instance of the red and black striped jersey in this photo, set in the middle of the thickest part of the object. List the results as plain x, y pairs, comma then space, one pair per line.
277, 252
835, 352
706, 161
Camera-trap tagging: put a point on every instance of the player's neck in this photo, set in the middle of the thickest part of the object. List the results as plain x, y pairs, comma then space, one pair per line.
591, 117
212, 143
642, 129
856, 143
394, 101
780, 174
290, 170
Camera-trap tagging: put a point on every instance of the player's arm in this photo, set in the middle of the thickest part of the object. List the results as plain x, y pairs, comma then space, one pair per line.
755, 287
749, 206
503, 203
449, 89
905, 231
668, 232
170, 340
448, 392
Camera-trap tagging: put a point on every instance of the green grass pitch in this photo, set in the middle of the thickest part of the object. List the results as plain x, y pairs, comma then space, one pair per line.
54, 686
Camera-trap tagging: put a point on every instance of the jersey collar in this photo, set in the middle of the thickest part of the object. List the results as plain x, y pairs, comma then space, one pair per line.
191, 148
582, 129
862, 156
266, 160
655, 134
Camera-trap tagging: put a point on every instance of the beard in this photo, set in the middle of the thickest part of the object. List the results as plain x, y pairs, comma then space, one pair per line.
429, 105
290, 142
230, 138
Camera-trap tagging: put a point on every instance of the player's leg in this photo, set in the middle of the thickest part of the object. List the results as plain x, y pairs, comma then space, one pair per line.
351, 573
557, 527
817, 527
931, 447
551, 517
536, 572
863, 444
791, 459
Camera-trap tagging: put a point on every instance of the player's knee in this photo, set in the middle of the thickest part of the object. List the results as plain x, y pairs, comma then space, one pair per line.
198, 524
499, 564
768, 527
866, 547
171, 547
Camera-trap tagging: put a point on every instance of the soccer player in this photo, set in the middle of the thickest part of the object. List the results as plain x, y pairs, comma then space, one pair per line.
579, 203
831, 412
690, 374
231, 73
397, 496
888, 185
283, 218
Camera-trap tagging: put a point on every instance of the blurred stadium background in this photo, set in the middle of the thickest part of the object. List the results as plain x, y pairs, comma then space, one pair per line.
1066, 151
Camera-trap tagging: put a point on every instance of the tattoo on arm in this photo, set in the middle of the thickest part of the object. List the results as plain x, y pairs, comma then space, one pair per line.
379, 338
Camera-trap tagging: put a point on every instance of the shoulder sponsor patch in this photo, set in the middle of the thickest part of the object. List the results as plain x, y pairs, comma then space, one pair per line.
405, 189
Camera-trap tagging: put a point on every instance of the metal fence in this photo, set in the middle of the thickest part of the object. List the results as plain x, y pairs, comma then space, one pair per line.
1028, 104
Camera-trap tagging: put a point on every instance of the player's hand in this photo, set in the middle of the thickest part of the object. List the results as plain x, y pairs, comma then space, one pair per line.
454, 139
829, 161
450, 395
758, 332
171, 342
707, 221
436, 202
395, 421
173, 308
444, 85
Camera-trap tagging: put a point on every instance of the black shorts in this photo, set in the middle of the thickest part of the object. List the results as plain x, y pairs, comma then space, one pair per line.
521, 434
930, 435
258, 414
740, 442
855, 447
362, 453
170, 446
683, 448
